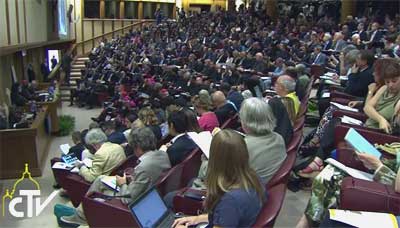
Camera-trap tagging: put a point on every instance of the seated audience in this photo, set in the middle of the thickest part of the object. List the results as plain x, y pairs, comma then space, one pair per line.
181, 145
326, 187
113, 135
302, 81
77, 149
191, 120
361, 75
147, 118
224, 109
285, 87
266, 148
106, 155
235, 195
381, 107
202, 104
284, 125
144, 176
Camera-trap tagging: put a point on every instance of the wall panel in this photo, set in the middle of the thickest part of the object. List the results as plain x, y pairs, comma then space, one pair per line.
3, 24
13, 22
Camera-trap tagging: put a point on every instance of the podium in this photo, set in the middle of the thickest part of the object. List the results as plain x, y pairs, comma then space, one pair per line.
27, 145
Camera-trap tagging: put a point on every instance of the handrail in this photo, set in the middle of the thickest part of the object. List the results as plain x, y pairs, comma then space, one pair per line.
117, 30
57, 68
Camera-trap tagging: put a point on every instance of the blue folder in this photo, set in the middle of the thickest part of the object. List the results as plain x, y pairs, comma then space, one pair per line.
360, 144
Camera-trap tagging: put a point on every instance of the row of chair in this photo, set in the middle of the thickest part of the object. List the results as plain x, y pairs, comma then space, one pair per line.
174, 179
354, 192
276, 186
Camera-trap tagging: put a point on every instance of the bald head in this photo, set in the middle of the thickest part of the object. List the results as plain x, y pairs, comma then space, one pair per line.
218, 98
285, 85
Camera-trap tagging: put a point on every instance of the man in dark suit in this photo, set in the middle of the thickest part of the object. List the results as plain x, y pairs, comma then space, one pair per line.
375, 37
327, 41
224, 109
361, 75
338, 42
317, 57
181, 145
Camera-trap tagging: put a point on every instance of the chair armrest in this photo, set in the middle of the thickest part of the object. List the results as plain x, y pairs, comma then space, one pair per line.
380, 198
188, 205
356, 115
76, 187
372, 135
98, 212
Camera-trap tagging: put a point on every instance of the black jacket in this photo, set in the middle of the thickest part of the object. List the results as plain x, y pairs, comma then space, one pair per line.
357, 85
180, 149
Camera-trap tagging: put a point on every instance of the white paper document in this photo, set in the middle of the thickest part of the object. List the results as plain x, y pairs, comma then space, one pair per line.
352, 172
203, 140
326, 95
364, 219
344, 107
61, 165
65, 148
110, 181
350, 120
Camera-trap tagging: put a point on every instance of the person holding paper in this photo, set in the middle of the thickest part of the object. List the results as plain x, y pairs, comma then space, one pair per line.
152, 163
382, 107
322, 140
106, 155
326, 186
235, 194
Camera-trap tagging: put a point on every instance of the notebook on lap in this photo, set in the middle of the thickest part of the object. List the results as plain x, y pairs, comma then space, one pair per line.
150, 211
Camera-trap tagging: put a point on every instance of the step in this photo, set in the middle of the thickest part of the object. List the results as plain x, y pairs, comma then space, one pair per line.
75, 78
76, 73
83, 58
78, 65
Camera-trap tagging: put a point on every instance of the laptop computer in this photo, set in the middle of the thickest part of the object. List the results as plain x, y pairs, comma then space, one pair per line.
150, 211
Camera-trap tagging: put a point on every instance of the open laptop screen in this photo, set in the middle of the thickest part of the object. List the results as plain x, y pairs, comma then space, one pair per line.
150, 209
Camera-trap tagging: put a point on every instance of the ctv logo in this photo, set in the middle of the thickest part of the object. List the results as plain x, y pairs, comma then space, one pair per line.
29, 197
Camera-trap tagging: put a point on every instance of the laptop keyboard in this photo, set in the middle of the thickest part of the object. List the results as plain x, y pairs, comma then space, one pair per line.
167, 221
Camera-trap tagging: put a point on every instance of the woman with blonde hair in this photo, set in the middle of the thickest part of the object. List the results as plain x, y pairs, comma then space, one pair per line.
235, 194
147, 118
202, 104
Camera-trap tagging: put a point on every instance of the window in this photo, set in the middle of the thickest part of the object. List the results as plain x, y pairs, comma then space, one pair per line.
131, 10
112, 9
92, 8
149, 8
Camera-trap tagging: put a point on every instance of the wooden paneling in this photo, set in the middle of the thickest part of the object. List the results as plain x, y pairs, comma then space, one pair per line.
7, 23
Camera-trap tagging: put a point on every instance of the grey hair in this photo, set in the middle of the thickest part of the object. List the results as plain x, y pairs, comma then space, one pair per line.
143, 138
288, 84
351, 56
257, 116
95, 136
300, 68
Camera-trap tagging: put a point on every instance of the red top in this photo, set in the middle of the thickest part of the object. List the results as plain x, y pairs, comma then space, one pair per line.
208, 121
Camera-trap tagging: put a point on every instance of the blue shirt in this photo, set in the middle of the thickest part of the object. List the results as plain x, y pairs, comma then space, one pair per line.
236, 208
